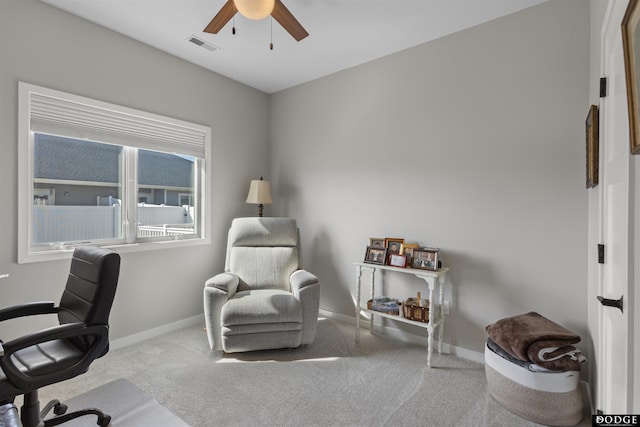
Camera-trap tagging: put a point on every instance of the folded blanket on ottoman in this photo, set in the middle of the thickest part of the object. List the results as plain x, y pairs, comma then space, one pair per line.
533, 338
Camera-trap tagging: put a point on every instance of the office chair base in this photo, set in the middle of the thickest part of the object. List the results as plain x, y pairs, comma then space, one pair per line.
103, 419
31, 415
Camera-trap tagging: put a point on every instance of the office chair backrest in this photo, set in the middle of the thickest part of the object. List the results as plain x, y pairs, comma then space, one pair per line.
90, 289
263, 252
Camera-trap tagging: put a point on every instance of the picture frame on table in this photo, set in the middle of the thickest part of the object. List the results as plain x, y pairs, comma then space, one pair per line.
630, 30
425, 259
399, 261
393, 245
375, 255
591, 125
376, 242
406, 249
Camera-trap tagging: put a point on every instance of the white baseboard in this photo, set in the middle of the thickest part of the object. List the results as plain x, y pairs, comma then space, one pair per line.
407, 337
152, 333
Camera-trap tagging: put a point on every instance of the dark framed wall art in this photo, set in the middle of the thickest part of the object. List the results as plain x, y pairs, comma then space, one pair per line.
631, 49
591, 125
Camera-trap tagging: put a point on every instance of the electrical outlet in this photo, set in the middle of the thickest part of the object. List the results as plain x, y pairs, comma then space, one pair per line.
445, 307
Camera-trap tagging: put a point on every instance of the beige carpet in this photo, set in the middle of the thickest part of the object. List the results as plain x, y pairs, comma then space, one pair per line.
380, 382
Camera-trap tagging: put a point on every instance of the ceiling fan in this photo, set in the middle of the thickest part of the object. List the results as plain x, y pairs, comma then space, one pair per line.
257, 9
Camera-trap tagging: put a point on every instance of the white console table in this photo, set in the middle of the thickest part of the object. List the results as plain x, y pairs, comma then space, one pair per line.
435, 280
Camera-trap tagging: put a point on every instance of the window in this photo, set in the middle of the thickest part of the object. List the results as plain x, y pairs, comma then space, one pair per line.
97, 173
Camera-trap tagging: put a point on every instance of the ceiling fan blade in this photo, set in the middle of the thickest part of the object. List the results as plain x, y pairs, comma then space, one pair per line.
221, 18
288, 21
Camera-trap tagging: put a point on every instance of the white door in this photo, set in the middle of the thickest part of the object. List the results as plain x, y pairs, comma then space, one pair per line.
613, 344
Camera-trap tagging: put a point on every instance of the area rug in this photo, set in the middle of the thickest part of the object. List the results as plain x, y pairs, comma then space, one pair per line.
127, 404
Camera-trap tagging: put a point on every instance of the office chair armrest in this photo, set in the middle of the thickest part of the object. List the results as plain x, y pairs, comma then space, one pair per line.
226, 282
70, 330
300, 279
28, 309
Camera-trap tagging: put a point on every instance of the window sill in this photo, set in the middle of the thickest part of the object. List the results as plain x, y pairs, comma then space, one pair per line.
66, 253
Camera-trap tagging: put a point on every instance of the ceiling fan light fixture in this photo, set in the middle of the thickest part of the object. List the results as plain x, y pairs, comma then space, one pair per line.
254, 9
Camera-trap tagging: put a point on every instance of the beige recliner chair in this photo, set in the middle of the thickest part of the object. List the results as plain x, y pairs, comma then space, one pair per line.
264, 299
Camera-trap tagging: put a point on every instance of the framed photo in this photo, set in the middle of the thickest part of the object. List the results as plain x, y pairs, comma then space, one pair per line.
397, 261
629, 34
393, 245
591, 125
377, 242
406, 249
375, 255
425, 259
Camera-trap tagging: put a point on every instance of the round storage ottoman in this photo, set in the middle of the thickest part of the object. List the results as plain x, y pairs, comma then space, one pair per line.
550, 398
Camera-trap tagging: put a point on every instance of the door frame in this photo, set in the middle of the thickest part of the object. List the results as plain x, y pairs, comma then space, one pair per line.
611, 22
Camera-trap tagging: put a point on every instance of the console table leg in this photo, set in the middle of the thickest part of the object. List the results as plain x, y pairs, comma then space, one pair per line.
373, 285
358, 279
429, 346
441, 313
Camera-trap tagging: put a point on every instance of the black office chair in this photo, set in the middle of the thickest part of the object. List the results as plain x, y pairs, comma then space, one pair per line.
61, 352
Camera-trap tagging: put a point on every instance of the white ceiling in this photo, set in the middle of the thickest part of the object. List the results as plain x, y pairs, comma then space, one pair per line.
343, 33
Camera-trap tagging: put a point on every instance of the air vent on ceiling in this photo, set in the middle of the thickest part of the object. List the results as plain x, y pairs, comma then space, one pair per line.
199, 42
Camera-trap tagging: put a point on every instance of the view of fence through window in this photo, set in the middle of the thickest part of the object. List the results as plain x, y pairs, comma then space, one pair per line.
79, 192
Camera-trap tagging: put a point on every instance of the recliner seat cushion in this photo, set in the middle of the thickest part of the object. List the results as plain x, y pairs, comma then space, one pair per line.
262, 306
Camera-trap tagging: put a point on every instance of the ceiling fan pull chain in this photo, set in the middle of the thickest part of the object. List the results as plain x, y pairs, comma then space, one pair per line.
233, 28
271, 44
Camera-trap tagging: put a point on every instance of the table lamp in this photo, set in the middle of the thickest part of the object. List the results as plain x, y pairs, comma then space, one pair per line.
259, 194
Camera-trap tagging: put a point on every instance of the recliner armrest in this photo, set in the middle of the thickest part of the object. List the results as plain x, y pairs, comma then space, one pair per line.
217, 290
226, 282
300, 279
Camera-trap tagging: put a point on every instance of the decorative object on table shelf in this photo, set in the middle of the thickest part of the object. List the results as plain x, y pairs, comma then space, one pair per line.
259, 194
384, 305
376, 242
629, 30
406, 249
416, 309
425, 259
375, 255
591, 125
393, 245
397, 260
396, 253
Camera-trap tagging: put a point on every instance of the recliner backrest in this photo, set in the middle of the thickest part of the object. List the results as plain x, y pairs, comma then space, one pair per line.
263, 252
91, 287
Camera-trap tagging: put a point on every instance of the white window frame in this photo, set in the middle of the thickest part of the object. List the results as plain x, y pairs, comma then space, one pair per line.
121, 126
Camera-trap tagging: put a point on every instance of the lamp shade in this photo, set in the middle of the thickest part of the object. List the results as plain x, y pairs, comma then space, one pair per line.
259, 192
254, 9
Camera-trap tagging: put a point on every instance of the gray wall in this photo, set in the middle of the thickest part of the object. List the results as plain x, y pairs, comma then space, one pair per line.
473, 143
45, 46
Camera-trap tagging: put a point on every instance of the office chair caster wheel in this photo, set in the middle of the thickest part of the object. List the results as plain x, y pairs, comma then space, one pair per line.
60, 408
104, 420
